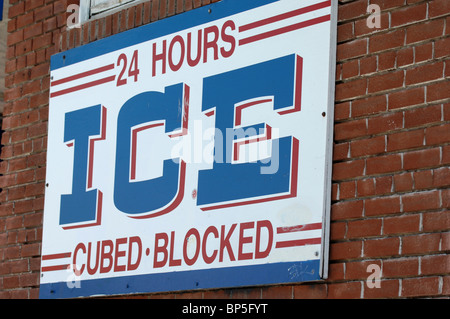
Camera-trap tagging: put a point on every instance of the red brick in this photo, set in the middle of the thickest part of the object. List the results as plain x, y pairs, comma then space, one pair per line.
424, 31
365, 187
155, 6
370, 146
401, 224
438, 91
364, 228
388, 4
422, 116
352, 49
11, 282
408, 15
276, 292
16, 9
423, 179
425, 73
14, 222
348, 290
246, 293
388, 289
438, 7
447, 68
405, 140
340, 151
25, 20
351, 89
437, 264
351, 129
415, 287
442, 47
32, 30
379, 206
29, 250
386, 60
438, 134
383, 164
445, 237
383, 185
338, 230
386, 81
405, 56
423, 52
385, 41
441, 177
345, 32
434, 221
29, 279
345, 250
446, 285
421, 201
342, 111
350, 69
347, 190
42, 41
315, 291
421, 159
406, 98
367, 65
31, 4
14, 37
401, 267
347, 209
347, 170
370, 105
383, 247
352, 10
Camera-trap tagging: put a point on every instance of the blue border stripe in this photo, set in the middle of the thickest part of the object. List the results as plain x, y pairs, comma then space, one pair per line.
154, 30
286, 272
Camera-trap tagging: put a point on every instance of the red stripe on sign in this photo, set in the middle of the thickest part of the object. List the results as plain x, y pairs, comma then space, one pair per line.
210, 113
84, 86
298, 242
286, 29
239, 108
54, 268
56, 256
286, 15
291, 229
83, 74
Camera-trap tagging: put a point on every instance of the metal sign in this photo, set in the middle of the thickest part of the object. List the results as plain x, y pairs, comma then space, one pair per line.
192, 153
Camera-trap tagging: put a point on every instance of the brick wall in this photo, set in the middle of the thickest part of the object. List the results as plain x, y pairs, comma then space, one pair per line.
391, 173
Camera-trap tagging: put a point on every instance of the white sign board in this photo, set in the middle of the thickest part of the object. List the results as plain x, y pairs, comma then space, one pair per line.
192, 153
